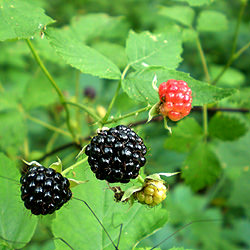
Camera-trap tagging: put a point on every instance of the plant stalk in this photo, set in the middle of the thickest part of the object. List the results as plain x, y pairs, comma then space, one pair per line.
58, 91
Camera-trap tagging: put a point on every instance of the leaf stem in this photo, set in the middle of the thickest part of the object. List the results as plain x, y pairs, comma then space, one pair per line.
86, 109
128, 115
48, 126
105, 118
207, 76
235, 38
64, 172
52, 81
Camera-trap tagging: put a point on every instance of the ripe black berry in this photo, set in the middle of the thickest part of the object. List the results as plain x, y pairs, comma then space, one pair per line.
116, 155
44, 190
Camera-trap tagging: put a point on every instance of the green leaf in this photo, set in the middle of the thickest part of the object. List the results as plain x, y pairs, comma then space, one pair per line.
226, 128
12, 131
138, 86
210, 21
196, 2
186, 134
19, 19
82, 57
237, 196
98, 25
17, 224
138, 221
185, 207
201, 168
115, 52
147, 49
231, 78
181, 14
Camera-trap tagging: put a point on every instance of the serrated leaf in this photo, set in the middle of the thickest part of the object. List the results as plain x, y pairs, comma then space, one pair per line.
210, 21
186, 134
20, 19
82, 57
130, 191
138, 221
17, 224
181, 14
201, 167
226, 128
74, 183
196, 2
147, 49
57, 166
138, 86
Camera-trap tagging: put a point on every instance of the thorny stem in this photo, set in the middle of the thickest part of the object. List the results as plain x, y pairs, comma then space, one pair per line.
128, 115
52, 81
234, 55
105, 118
74, 166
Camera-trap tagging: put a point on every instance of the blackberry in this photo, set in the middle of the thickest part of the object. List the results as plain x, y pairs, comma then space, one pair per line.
43, 190
116, 155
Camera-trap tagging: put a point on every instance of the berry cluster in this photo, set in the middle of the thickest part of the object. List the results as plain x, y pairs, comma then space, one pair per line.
44, 190
175, 99
152, 194
116, 155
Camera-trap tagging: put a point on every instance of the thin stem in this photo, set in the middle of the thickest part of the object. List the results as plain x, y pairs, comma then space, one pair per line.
105, 118
86, 109
74, 165
48, 126
241, 51
235, 38
77, 94
205, 68
128, 115
52, 81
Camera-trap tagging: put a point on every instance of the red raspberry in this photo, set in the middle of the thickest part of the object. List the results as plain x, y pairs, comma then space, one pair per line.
175, 99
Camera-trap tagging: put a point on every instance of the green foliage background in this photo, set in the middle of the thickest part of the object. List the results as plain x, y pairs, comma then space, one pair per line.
117, 47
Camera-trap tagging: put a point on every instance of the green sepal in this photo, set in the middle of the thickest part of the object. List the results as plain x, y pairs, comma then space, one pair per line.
154, 84
74, 183
81, 152
57, 166
166, 125
153, 111
157, 177
129, 192
32, 163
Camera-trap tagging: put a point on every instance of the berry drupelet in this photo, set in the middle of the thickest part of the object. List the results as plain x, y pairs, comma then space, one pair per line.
175, 99
116, 155
43, 190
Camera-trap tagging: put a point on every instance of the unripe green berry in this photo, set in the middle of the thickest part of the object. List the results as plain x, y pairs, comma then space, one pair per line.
152, 193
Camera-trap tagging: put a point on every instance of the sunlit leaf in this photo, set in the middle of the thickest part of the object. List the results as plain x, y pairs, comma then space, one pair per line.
20, 19
147, 49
